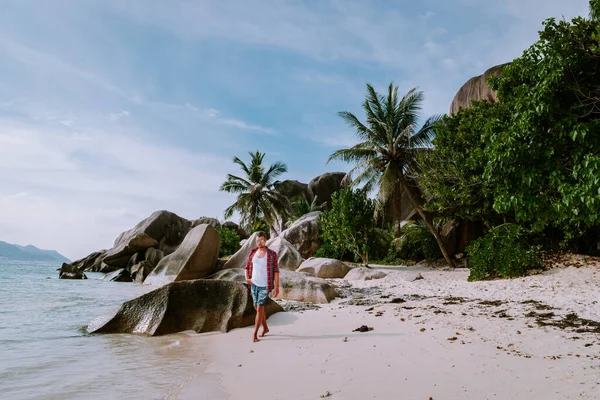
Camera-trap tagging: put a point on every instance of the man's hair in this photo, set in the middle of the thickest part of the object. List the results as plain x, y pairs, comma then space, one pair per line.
261, 234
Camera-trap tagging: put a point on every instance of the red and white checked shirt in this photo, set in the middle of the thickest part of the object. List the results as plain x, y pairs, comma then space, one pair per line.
272, 266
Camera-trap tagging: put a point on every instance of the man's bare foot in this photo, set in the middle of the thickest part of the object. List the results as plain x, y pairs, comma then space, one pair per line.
256, 339
264, 332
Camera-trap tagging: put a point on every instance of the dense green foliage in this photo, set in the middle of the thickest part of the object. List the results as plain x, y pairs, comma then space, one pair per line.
257, 197
533, 158
300, 206
230, 241
416, 243
452, 173
349, 226
545, 166
505, 252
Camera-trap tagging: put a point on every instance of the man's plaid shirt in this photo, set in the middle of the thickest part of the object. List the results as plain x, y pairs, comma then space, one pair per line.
272, 266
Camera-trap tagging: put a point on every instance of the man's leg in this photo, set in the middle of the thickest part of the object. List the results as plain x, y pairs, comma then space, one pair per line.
264, 324
260, 314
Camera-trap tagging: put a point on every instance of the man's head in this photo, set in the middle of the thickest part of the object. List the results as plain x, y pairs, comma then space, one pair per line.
261, 239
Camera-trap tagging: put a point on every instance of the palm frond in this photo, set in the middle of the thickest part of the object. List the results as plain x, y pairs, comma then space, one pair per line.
424, 136
356, 153
409, 108
363, 132
243, 165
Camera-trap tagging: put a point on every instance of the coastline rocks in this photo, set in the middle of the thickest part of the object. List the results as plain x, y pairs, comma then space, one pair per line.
68, 271
364, 274
105, 268
206, 220
303, 234
162, 229
239, 259
324, 268
120, 275
140, 271
91, 263
195, 258
153, 256
287, 255
294, 286
199, 305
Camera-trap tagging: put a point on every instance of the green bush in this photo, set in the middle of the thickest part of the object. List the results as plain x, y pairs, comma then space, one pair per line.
416, 242
327, 250
348, 227
505, 252
230, 241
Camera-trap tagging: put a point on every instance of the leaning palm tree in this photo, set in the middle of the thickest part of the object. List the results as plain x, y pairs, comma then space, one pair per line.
594, 10
387, 151
257, 197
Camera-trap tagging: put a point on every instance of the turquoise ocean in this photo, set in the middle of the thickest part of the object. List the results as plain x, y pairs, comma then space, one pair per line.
46, 353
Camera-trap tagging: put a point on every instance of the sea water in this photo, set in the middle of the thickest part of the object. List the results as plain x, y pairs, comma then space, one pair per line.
46, 353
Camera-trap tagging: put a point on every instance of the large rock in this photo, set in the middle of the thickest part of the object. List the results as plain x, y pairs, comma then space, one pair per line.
324, 268
195, 258
162, 229
206, 220
153, 256
239, 259
140, 271
107, 268
287, 256
476, 88
301, 287
68, 271
294, 286
303, 234
292, 188
120, 275
364, 274
323, 186
199, 305
236, 228
93, 262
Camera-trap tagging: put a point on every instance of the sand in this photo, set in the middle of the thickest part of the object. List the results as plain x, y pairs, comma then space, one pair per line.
439, 337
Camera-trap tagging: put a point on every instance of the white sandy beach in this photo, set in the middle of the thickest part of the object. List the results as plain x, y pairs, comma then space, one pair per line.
439, 337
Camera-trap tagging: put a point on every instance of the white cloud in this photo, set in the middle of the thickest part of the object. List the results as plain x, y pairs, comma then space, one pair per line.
118, 115
84, 188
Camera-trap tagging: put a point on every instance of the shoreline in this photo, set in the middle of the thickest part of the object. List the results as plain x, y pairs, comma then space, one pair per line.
439, 337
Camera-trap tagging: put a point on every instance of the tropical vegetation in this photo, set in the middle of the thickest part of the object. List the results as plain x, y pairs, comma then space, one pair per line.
257, 200
389, 143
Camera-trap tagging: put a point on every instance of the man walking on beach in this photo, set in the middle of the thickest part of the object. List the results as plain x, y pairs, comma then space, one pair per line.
262, 274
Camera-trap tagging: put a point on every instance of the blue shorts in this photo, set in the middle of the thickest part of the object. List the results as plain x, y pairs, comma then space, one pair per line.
259, 295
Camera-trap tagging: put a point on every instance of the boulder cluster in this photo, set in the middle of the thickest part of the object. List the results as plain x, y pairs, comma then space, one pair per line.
198, 291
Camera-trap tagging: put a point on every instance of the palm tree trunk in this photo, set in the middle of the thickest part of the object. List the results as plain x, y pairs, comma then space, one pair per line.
427, 217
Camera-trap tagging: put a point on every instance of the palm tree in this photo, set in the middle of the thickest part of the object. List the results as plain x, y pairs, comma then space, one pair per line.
257, 197
594, 10
388, 148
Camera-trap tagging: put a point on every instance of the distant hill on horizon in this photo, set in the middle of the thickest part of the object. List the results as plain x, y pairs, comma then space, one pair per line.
14, 252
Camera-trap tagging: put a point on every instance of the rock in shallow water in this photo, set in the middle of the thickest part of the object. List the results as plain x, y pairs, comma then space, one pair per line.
199, 305
68, 271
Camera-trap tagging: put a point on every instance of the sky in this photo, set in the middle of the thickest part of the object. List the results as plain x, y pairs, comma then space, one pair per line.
113, 109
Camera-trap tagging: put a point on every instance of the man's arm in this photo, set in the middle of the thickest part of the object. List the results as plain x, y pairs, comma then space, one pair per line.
276, 284
275, 276
248, 268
